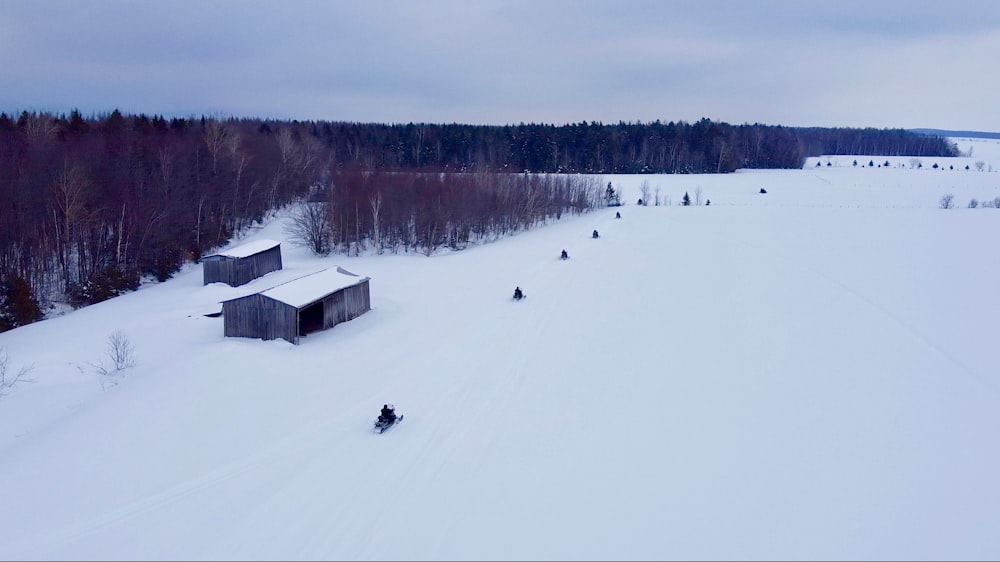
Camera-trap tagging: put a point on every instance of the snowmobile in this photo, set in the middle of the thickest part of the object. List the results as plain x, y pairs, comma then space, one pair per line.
564, 255
383, 423
518, 295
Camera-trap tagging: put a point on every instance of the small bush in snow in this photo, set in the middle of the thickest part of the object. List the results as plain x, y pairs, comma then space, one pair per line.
121, 352
8, 375
973, 204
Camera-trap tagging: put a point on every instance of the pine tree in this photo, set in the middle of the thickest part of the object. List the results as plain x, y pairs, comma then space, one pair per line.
687, 200
612, 197
17, 305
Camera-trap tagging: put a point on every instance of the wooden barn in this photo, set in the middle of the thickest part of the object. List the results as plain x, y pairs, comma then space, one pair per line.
308, 304
242, 264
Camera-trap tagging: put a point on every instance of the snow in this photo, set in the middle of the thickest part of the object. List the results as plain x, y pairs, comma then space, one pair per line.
248, 249
978, 154
806, 374
313, 287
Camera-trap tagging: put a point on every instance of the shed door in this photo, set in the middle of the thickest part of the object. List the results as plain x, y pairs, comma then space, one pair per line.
311, 319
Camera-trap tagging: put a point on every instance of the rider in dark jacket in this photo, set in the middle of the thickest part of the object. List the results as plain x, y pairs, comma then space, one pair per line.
387, 415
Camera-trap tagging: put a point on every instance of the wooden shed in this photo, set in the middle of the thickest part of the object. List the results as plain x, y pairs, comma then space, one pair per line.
308, 304
242, 264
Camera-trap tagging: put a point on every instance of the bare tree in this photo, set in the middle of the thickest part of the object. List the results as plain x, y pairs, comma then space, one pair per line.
39, 126
697, 196
286, 147
947, 201
70, 192
215, 136
311, 227
644, 192
376, 204
240, 160
979, 165
722, 156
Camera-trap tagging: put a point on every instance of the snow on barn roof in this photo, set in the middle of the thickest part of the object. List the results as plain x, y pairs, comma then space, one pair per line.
311, 288
248, 249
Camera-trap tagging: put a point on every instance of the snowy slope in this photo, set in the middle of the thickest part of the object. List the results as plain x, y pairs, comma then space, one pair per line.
809, 373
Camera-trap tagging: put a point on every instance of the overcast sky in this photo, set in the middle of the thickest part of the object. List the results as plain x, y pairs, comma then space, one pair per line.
872, 63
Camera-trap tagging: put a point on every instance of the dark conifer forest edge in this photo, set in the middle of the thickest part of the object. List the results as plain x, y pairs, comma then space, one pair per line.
90, 205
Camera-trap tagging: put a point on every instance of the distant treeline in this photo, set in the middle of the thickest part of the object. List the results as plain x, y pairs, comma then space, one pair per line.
625, 148
90, 204
957, 134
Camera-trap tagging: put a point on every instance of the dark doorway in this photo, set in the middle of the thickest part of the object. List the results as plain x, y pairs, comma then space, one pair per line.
311, 318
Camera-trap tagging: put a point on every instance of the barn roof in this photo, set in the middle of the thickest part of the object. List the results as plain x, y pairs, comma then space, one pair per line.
248, 249
313, 287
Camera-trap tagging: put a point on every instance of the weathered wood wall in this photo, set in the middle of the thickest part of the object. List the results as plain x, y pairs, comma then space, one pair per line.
235, 271
346, 304
258, 316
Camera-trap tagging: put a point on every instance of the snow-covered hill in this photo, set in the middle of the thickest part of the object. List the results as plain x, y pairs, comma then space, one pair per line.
810, 373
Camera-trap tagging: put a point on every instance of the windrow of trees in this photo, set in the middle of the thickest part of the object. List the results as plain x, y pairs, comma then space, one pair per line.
89, 205
423, 211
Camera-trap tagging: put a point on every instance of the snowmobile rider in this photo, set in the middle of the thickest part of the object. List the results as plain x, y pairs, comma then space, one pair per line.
564, 255
517, 293
595, 235
387, 415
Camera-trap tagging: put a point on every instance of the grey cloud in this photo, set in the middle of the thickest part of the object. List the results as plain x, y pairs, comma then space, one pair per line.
493, 61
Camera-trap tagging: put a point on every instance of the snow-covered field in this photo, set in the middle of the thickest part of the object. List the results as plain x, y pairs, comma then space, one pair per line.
978, 154
806, 374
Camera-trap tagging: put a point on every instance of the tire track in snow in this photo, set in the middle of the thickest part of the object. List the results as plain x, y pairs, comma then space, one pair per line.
262, 460
490, 390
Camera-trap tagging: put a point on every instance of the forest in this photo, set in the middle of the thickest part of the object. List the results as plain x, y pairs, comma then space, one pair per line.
89, 206
626, 148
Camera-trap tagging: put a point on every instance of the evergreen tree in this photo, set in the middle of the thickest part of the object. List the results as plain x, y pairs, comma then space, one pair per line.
613, 197
17, 305
687, 200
